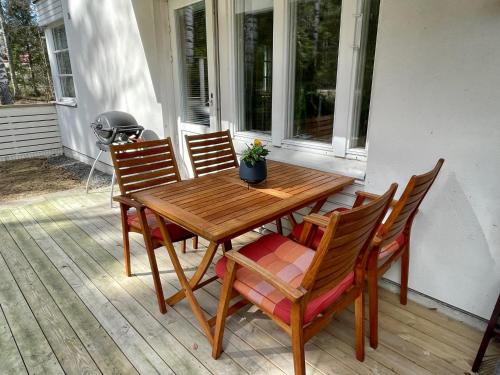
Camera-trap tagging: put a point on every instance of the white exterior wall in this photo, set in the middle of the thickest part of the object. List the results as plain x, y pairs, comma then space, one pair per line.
436, 93
48, 11
114, 57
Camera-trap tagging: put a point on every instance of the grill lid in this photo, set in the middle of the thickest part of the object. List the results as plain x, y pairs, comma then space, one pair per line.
115, 126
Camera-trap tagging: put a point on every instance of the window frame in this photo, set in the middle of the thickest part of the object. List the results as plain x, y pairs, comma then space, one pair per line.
52, 52
352, 40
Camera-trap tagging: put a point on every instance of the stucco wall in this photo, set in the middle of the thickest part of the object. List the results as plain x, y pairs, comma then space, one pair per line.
113, 59
436, 93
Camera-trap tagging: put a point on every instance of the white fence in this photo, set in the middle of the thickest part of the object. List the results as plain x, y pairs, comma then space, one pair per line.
29, 131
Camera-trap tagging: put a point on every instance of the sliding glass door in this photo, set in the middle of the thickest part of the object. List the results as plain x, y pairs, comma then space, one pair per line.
193, 53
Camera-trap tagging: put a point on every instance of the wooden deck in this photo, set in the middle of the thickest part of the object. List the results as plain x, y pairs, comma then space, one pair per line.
66, 307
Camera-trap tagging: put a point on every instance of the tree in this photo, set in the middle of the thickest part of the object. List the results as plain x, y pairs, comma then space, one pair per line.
27, 55
5, 97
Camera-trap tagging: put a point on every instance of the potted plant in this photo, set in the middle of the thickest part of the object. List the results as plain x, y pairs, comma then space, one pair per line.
253, 167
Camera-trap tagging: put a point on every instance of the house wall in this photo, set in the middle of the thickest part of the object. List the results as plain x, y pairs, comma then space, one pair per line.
114, 57
436, 93
48, 11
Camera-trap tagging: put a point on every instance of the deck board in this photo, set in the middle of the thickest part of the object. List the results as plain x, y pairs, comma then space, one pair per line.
34, 348
10, 357
62, 281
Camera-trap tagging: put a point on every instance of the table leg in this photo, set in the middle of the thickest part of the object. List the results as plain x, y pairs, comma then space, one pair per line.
318, 206
187, 286
152, 261
200, 272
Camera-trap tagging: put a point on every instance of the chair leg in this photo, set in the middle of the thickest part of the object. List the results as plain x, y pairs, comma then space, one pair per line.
225, 298
373, 299
405, 268
227, 246
183, 246
279, 226
195, 242
299, 360
126, 241
126, 254
360, 332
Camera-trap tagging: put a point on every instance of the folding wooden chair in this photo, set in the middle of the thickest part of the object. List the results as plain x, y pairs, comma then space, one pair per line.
299, 288
393, 236
214, 152
140, 166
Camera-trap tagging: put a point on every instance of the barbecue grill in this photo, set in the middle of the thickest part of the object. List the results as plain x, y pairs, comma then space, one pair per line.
113, 127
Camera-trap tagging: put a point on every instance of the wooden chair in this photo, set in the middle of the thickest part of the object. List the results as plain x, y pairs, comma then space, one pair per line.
492, 330
393, 236
140, 166
299, 288
214, 152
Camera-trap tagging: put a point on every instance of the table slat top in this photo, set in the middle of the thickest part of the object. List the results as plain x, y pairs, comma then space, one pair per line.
220, 206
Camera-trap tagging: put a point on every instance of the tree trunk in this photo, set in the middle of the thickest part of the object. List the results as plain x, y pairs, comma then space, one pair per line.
9, 53
33, 79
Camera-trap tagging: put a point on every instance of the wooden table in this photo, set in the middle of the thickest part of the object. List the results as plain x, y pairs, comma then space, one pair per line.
220, 207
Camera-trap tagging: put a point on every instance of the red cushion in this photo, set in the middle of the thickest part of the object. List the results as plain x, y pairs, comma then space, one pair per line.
177, 233
384, 252
289, 261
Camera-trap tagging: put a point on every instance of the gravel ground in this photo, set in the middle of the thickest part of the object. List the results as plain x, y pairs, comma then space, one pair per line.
37, 176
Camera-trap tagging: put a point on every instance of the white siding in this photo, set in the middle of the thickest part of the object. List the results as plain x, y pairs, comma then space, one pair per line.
27, 131
436, 93
49, 11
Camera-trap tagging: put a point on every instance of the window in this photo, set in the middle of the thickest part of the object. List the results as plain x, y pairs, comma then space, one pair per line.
254, 34
193, 63
303, 71
63, 75
364, 84
316, 29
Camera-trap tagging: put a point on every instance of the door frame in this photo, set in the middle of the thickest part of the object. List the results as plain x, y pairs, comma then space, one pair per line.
180, 127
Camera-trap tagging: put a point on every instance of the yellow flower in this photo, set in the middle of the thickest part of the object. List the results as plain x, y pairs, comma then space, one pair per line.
257, 142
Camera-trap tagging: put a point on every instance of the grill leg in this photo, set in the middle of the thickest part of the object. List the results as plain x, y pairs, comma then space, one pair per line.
112, 186
92, 171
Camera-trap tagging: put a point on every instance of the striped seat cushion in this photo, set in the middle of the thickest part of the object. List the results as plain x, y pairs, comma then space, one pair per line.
177, 233
289, 261
384, 252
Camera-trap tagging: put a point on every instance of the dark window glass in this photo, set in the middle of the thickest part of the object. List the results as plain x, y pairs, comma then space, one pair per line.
255, 60
316, 44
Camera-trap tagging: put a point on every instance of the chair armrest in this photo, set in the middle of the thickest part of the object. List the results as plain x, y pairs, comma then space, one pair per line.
290, 292
317, 219
128, 202
366, 195
376, 241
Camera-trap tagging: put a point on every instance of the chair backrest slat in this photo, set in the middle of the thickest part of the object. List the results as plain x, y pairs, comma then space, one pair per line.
402, 214
211, 152
143, 165
346, 243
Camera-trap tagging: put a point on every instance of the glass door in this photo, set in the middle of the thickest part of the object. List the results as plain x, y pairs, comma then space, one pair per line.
193, 53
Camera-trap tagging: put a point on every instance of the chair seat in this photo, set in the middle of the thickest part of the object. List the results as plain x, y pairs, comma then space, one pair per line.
384, 252
177, 233
289, 261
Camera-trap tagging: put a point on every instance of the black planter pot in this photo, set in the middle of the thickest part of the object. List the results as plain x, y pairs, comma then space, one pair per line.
253, 174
